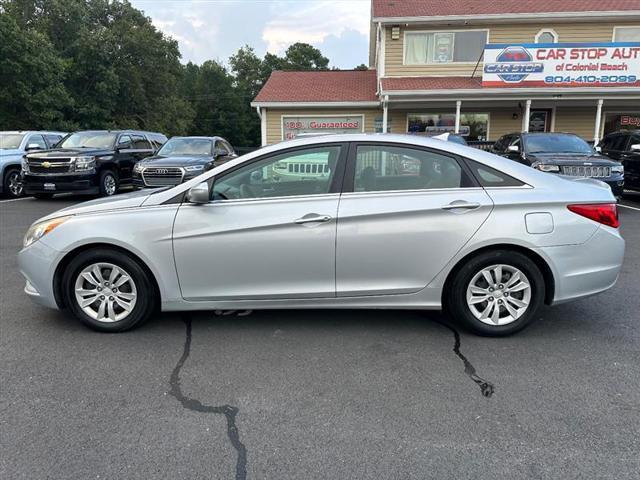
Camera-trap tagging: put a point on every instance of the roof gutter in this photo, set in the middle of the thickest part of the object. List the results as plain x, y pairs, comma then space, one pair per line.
514, 17
327, 104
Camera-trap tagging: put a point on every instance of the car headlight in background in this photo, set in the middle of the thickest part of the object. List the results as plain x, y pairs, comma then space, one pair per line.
39, 230
138, 167
547, 168
84, 163
617, 169
25, 165
194, 168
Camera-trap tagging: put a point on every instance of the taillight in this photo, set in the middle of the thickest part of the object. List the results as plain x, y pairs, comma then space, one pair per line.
605, 213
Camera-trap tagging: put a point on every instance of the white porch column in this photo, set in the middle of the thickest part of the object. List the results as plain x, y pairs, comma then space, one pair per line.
385, 115
525, 117
458, 106
262, 113
596, 133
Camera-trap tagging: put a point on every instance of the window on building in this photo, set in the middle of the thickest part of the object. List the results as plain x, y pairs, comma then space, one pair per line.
473, 126
626, 34
444, 47
546, 36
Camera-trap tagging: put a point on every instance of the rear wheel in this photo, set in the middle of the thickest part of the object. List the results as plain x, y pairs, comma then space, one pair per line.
108, 291
13, 183
496, 293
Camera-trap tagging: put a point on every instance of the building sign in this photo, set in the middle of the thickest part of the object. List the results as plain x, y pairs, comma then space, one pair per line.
303, 125
562, 65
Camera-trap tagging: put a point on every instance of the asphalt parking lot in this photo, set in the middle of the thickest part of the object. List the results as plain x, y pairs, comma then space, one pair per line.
318, 394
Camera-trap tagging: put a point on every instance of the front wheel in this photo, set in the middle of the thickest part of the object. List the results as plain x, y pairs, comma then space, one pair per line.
13, 184
108, 291
496, 293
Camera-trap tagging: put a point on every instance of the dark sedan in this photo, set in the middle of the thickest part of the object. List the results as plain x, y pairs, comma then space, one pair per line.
562, 153
180, 159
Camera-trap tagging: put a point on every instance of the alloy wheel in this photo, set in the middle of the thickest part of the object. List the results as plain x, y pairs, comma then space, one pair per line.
15, 185
105, 292
109, 184
499, 294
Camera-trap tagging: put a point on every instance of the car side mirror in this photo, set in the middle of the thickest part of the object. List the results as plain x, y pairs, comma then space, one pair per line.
598, 148
219, 152
635, 148
199, 194
33, 146
513, 148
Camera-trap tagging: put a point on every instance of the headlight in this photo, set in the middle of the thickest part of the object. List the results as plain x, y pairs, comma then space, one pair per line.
138, 167
39, 230
194, 168
25, 165
547, 168
617, 169
84, 163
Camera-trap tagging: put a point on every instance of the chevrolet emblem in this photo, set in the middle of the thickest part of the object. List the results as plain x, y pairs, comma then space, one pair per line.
46, 164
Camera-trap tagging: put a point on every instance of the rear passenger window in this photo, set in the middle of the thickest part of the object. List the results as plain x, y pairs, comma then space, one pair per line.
140, 143
385, 168
490, 177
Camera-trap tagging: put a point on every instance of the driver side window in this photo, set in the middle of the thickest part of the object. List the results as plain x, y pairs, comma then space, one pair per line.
300, 172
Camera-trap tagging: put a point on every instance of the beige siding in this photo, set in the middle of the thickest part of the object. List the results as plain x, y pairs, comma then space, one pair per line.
274, 118
518, 33
502, 122
581, 121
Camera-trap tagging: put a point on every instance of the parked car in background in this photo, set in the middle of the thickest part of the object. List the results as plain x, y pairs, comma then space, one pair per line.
451, 137
562, 153
624, 146
88, 162
13, 146
180, 159
488, 239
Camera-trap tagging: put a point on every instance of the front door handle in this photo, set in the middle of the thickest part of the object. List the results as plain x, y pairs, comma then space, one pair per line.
461, 204
313, 218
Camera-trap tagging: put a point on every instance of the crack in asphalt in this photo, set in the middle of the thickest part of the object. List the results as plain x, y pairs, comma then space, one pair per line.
230, 412
486, 387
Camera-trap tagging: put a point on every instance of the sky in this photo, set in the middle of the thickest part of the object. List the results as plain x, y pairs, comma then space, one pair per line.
216, 29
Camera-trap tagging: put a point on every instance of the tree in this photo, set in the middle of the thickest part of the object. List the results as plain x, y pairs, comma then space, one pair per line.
302, 56
362, 66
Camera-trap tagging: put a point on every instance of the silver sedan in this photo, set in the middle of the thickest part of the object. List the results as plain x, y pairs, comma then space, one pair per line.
349, 221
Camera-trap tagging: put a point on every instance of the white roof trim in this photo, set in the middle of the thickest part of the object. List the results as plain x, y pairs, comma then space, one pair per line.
315, 104
510, 17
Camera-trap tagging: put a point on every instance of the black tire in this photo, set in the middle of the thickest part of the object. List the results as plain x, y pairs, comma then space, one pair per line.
43, 196
10, 189
106, 188
146, 301
456, 297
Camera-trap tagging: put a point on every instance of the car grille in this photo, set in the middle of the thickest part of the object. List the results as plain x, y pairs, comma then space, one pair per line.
586, 171
312, 168
162, 176
50, 166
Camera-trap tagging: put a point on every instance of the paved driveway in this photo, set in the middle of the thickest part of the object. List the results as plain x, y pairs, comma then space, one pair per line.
318, 394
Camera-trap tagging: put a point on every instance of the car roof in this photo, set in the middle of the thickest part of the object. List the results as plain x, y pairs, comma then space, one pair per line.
120, 131
197, 137
24, 132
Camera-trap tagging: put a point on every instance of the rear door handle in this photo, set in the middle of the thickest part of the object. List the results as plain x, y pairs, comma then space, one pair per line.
313, 218
461, 204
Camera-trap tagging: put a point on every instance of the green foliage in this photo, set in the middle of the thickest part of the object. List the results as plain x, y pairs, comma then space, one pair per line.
79, 64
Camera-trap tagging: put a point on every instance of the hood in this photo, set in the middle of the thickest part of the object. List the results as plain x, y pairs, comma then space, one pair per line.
571, 159
11, 152
121, 201
70, 152
177, 161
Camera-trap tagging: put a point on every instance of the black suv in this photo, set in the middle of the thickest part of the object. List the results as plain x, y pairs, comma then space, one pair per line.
561, 153
624, 146
93, 162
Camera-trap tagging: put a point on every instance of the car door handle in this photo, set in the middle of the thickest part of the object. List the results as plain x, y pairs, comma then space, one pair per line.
456, 204
313, 218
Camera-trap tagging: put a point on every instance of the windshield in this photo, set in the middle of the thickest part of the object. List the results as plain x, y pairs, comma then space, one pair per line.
186, 146
556, 144
89, 140
10, 141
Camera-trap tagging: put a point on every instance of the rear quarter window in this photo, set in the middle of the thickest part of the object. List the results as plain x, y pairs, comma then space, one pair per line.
490, 177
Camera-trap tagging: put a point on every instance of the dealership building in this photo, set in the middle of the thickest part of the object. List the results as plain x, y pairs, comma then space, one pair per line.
481, 69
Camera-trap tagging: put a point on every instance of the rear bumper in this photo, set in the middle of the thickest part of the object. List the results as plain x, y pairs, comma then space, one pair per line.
87, 183
584, 270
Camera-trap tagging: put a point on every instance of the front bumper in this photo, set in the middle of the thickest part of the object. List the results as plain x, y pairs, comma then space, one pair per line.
586, 269
37, 265
77, 183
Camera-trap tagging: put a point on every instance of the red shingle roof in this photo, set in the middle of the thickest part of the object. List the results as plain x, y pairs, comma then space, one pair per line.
428, 8
330, 86
430, 83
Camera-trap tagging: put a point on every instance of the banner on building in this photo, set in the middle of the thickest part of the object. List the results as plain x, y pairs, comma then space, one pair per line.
562, 65
311, 125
